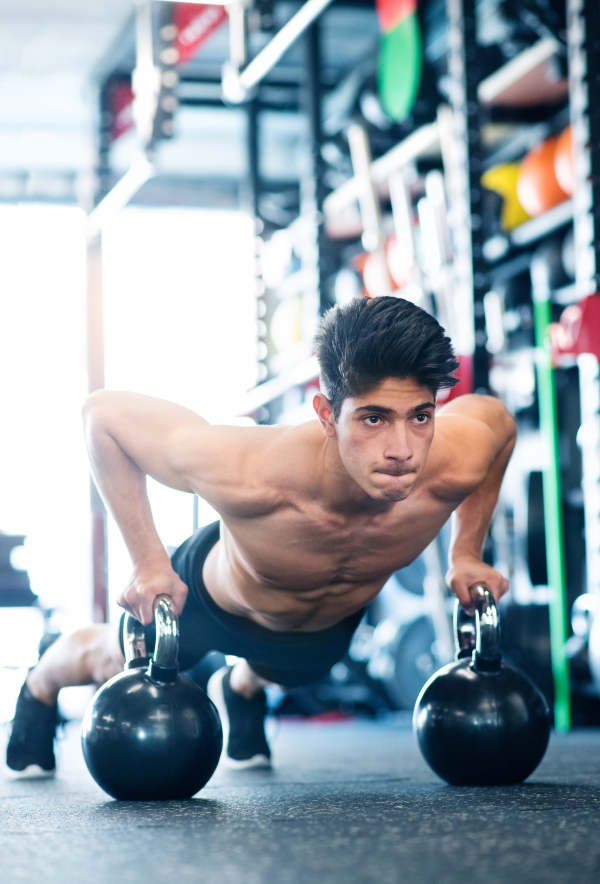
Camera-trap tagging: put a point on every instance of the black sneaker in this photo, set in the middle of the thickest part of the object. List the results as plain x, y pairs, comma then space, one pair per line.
30, 750
243, 723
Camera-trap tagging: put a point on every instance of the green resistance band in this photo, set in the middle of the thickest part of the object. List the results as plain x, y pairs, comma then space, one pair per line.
553, 516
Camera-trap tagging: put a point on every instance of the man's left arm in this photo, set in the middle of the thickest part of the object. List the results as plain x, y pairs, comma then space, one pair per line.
472, 517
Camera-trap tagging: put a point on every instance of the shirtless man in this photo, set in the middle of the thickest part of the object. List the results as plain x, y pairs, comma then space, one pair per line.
313, 519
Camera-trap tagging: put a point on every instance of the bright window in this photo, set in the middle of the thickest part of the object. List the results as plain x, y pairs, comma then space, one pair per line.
44, 479
180, 323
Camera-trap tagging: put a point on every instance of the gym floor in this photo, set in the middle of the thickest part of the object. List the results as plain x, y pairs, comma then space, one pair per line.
348, 801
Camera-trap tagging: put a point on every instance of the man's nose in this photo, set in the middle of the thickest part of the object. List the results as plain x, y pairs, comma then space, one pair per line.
398, 446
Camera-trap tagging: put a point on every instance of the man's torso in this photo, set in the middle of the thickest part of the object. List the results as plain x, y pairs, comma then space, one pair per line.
288, 561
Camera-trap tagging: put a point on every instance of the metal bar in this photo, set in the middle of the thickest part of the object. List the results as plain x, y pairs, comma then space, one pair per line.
313, 190
583, 21
238, 34
373, 238
268, 57
116, 199
435, 592
514, 70
252, 146
95, 368
588, 440
299, 374
465, 69
199, 2
583, 38
530, 231
413, 146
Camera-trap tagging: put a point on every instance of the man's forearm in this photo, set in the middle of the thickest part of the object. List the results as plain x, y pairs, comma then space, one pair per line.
122, 485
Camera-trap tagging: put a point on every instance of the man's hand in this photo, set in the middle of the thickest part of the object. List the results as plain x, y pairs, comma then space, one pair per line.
149, 580
469, 571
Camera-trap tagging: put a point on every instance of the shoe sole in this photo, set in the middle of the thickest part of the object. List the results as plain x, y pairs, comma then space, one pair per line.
214, 689
31, 772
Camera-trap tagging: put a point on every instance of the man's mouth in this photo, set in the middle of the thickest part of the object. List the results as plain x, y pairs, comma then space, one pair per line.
395, 472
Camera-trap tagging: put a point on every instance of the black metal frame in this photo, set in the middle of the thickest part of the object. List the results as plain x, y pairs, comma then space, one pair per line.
466, 73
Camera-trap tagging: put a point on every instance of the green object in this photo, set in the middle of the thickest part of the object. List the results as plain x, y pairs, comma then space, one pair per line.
399, 71
555, 552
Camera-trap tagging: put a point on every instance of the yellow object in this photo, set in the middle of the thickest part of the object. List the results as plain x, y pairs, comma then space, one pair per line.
503, 181
286, 330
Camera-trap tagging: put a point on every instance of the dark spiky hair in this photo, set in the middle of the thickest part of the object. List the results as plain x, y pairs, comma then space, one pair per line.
362, 343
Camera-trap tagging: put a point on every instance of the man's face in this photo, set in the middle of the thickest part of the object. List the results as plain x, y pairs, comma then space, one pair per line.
384, 437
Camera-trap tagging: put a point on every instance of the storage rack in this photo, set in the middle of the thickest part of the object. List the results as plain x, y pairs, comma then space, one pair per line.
472, 98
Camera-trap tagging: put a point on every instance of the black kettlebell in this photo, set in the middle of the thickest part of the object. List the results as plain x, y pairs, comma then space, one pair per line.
151, 734
478, 721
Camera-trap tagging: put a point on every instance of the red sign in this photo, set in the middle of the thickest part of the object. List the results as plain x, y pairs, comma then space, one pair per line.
121, 101
195, 23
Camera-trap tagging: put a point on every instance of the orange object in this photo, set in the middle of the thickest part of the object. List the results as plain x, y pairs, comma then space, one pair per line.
376, 275
564, 161
537, 187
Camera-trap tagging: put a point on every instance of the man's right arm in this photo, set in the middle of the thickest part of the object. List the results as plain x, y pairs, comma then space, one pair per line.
130, 436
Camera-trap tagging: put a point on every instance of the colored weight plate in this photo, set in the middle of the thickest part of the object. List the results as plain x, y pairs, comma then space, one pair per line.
391, 12
537, 187
564, 163
414, 663
502, 180
399, 71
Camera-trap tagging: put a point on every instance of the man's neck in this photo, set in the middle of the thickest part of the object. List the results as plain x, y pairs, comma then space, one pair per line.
338, 490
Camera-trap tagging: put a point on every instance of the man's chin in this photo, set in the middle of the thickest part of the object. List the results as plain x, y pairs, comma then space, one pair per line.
397, 488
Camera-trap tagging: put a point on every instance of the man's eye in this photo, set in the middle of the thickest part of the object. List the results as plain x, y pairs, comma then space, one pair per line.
421, 418
373, 420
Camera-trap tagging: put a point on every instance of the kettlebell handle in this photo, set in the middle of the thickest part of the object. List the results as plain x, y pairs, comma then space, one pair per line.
479, 637
164, 665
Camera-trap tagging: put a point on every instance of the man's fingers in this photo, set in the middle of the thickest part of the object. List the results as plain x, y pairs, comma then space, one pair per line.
146, 611
461, 591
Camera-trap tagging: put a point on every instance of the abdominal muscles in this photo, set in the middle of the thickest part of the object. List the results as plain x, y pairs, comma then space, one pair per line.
308, 575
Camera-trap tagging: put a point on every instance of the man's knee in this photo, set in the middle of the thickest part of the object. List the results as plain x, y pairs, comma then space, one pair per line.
98, 652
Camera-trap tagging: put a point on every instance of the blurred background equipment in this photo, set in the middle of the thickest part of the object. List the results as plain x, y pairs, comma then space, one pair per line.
187, 187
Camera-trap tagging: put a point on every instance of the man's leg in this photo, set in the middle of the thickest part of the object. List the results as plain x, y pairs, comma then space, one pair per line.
88, 656
239, 695
245, 681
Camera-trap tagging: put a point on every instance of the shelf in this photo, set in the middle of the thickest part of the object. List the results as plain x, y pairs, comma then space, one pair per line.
568, 294
302, 373
539, 227
527, 80
423, 141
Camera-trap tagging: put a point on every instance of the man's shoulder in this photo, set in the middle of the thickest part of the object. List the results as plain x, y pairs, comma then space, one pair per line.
270, 464
460, 455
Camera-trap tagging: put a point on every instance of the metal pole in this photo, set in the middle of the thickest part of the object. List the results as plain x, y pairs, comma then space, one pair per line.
313, 191
237, 86
464, 190
252, 136
95, 363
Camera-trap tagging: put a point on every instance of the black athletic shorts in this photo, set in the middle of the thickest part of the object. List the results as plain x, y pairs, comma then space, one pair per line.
289, 659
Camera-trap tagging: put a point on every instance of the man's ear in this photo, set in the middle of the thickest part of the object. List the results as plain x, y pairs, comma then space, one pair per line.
324, 410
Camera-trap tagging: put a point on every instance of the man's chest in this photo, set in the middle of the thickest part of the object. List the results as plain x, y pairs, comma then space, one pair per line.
307, 547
